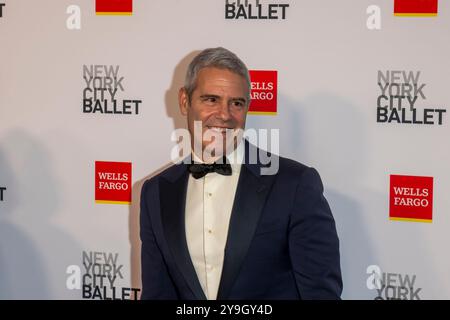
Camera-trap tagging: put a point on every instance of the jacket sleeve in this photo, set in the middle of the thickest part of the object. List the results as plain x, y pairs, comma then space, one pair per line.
313, 241
156, 281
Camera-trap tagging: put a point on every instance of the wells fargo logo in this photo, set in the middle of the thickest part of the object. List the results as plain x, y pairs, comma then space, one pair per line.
113, 182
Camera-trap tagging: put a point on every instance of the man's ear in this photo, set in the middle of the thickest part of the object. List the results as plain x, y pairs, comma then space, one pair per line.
183, 101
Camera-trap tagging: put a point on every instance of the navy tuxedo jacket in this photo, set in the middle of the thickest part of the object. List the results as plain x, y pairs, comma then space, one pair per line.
282, 241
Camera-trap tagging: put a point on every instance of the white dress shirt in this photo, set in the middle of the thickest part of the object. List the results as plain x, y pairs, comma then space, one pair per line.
209, 202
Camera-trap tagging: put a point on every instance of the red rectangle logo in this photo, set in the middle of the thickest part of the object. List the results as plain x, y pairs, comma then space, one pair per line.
113, 182
114, 7
411, 198
263, 92
416, 7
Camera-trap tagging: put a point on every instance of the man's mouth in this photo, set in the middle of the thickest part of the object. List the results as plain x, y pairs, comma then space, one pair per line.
219, 129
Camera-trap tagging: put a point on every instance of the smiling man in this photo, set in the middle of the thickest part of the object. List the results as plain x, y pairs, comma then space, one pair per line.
216, 227
218, 101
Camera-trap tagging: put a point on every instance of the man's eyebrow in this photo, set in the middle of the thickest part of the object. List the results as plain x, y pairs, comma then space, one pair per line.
233, 99
243, 100
206, 96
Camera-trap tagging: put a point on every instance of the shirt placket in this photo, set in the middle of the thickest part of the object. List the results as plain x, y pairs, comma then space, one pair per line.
208, 231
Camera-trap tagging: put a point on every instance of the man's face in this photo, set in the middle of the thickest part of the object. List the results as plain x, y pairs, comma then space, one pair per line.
219, 101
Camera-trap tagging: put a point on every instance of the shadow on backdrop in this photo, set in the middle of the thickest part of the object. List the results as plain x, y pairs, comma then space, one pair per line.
34, 251
171, 97
328, 125
179, 121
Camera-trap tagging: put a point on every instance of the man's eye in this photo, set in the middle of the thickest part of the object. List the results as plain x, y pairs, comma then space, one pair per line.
238, 104
210, 100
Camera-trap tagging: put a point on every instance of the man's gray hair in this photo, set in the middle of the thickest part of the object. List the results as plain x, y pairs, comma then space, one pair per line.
220, 58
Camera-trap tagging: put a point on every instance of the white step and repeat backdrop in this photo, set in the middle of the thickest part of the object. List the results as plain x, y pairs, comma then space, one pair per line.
88, 102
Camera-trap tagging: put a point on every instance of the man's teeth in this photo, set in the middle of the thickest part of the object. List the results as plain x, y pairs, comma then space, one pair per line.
217, 129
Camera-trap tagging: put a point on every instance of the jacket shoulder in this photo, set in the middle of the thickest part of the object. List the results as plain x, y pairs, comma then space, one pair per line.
306, 176
291, 166
170, 173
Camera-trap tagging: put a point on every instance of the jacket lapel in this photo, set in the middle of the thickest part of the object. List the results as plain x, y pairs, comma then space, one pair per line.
173, 198
250, 198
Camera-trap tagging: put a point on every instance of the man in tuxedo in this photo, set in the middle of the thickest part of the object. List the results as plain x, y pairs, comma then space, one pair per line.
216, 226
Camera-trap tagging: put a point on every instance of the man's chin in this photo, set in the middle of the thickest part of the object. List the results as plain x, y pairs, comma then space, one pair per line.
214, 151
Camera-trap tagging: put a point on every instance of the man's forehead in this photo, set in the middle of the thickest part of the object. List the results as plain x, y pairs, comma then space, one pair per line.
219, 92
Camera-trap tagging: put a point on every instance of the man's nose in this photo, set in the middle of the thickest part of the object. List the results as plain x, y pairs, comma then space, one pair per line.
224, 111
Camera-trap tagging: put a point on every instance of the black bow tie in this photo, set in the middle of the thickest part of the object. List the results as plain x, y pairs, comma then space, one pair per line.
199, 170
